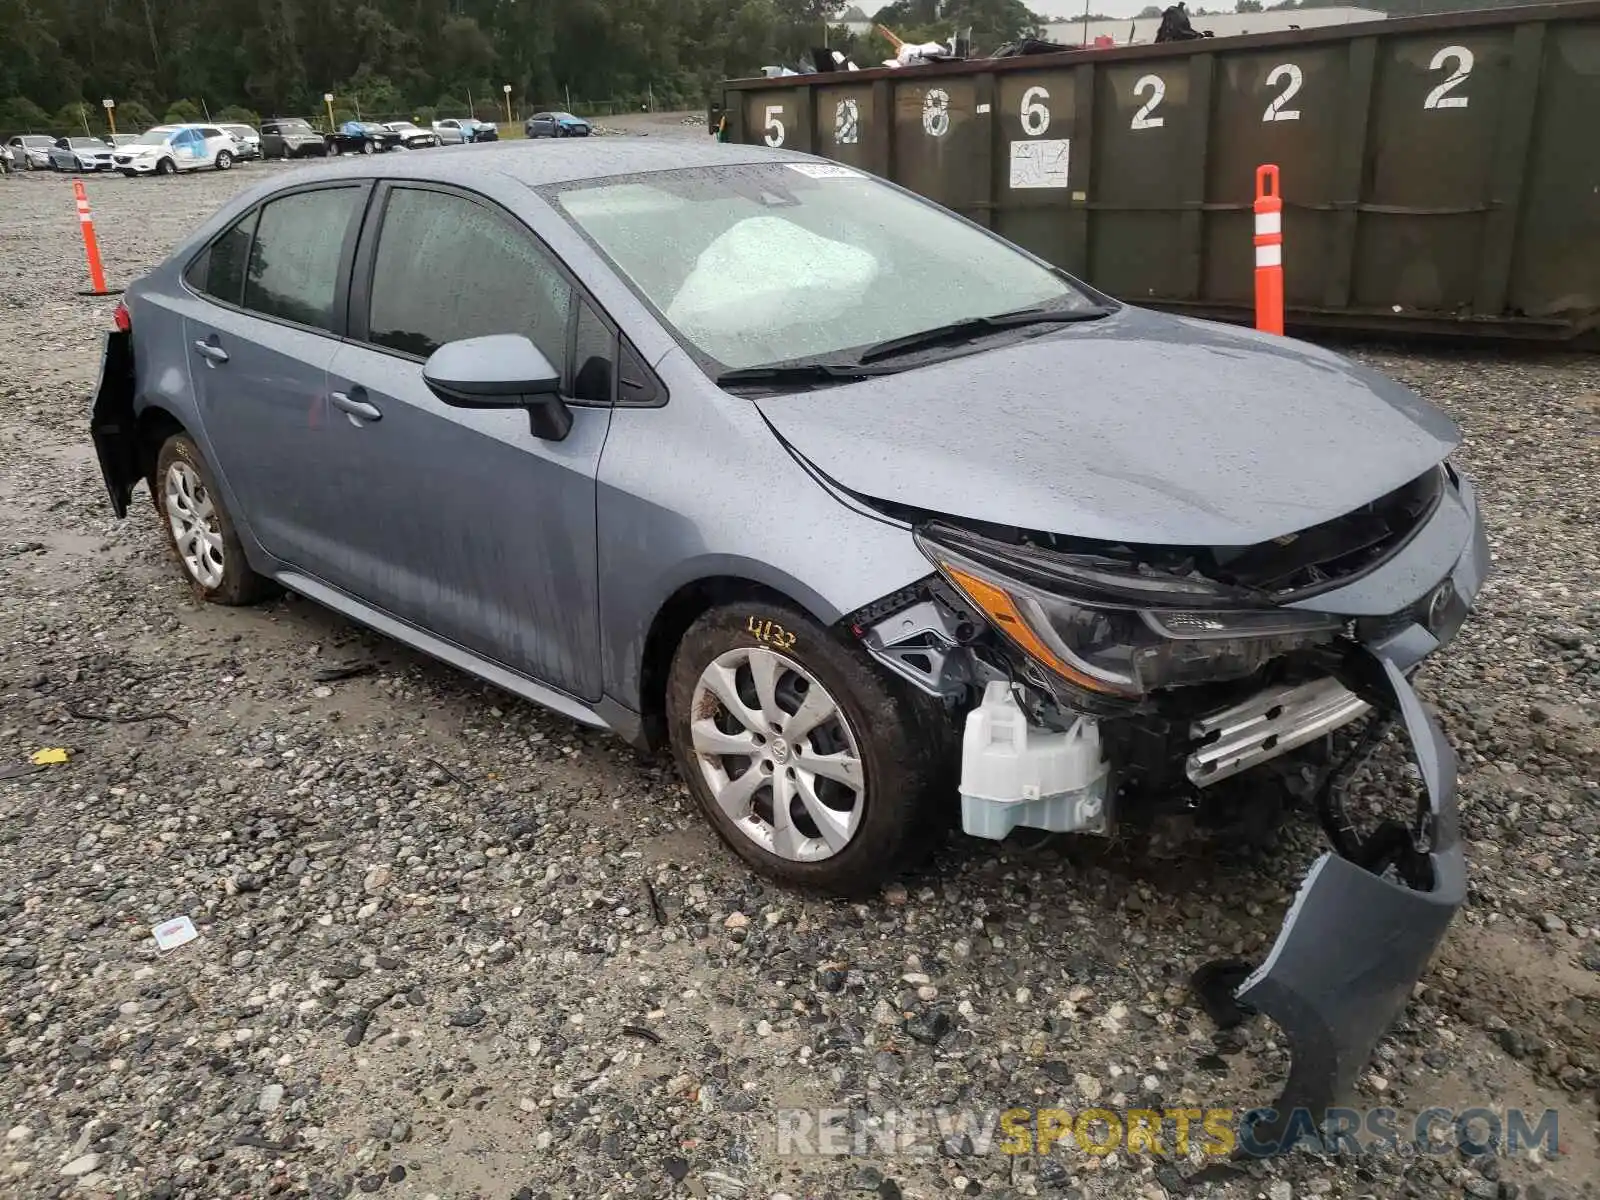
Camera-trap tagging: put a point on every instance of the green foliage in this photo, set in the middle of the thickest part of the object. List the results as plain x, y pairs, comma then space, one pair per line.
182, 112
278, 57
21, 115
133, 117
235, 115
71, 117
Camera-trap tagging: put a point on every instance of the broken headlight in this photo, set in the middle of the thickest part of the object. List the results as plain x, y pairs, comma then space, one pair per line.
1117, 629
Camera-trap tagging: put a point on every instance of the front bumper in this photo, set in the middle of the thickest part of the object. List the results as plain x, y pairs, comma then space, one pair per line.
137, 166
1358, 935
1354, 944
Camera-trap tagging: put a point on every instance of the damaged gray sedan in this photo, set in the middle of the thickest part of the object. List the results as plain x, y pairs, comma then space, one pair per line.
853, 504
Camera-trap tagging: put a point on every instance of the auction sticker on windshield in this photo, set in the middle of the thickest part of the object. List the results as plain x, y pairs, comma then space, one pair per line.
824, 170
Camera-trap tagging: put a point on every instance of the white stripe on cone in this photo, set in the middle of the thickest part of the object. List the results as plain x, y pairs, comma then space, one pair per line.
1269, 256
1269, 222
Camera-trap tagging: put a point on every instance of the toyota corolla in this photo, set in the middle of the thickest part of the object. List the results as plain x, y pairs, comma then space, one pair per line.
870, 516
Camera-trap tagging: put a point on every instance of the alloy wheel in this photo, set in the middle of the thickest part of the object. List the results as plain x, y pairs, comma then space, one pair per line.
778, 754
195, 529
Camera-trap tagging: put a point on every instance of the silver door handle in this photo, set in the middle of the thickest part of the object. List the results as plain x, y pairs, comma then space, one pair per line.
356, 408
211, 352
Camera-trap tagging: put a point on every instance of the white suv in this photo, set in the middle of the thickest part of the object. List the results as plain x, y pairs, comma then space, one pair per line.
169, 148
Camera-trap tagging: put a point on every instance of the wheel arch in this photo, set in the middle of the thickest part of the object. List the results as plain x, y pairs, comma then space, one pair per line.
672, 620
153, 426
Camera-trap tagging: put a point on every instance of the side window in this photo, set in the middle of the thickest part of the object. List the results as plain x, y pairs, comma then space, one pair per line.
210, 133
219, 269
448, 268
636, 383
594, 355
294, 260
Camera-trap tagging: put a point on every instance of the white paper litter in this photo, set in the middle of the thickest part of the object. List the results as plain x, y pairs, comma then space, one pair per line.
170, 935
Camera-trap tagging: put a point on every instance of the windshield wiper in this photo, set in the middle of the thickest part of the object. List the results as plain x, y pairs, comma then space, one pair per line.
960, 330
818, 372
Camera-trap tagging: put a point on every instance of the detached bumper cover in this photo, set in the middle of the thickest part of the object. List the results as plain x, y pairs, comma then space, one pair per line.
1354, 944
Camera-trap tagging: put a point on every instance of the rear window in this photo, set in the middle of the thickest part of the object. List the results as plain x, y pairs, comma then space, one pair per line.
219, 269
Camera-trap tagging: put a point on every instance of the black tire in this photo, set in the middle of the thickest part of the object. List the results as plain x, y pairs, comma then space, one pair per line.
166, 167
240, 584
224, 160
903, 744
368, 146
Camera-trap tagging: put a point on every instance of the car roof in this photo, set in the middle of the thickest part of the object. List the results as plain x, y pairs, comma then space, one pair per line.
538, 164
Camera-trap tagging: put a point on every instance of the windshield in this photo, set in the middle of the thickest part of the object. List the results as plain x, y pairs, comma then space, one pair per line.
86, 143
241, 130
772, 262
294, 127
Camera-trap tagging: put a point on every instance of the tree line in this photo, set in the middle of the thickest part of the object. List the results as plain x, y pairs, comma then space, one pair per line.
244, 59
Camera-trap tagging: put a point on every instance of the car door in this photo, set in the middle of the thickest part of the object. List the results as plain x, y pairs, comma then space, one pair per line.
188, 149
214, 141
461, 521
259, 338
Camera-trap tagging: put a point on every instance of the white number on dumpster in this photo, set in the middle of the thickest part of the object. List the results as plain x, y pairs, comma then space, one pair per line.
1440, 97
847, 123
1035, 116
774, 125
1158, 92
1276, 110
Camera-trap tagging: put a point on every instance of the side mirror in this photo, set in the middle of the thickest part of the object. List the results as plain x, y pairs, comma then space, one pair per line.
502, 370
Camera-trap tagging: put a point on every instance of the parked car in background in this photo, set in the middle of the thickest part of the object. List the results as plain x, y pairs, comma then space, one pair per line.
361, 137
170, 148
455, 130
555, 124
31, 151
5, 159
81, 154
248, 139
291, 137
412, 137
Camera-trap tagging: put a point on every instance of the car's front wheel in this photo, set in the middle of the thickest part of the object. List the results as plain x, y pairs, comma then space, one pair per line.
224, 160
368, 147
198, 527
815, 766
166, 167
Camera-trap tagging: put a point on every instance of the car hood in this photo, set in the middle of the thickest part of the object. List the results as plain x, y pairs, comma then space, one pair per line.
1136, 428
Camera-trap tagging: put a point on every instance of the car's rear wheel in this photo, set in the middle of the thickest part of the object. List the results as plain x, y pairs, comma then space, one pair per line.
813, 765
198, 527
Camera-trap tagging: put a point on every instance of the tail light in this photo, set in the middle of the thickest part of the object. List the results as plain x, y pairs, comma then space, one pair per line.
122, 317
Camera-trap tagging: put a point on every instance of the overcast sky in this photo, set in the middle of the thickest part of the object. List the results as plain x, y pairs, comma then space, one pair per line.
1056, 10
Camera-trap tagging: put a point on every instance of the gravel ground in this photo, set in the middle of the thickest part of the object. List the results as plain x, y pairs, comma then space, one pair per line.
453, 945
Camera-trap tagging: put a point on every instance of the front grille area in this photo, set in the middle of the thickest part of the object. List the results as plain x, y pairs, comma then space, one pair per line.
1324, 555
